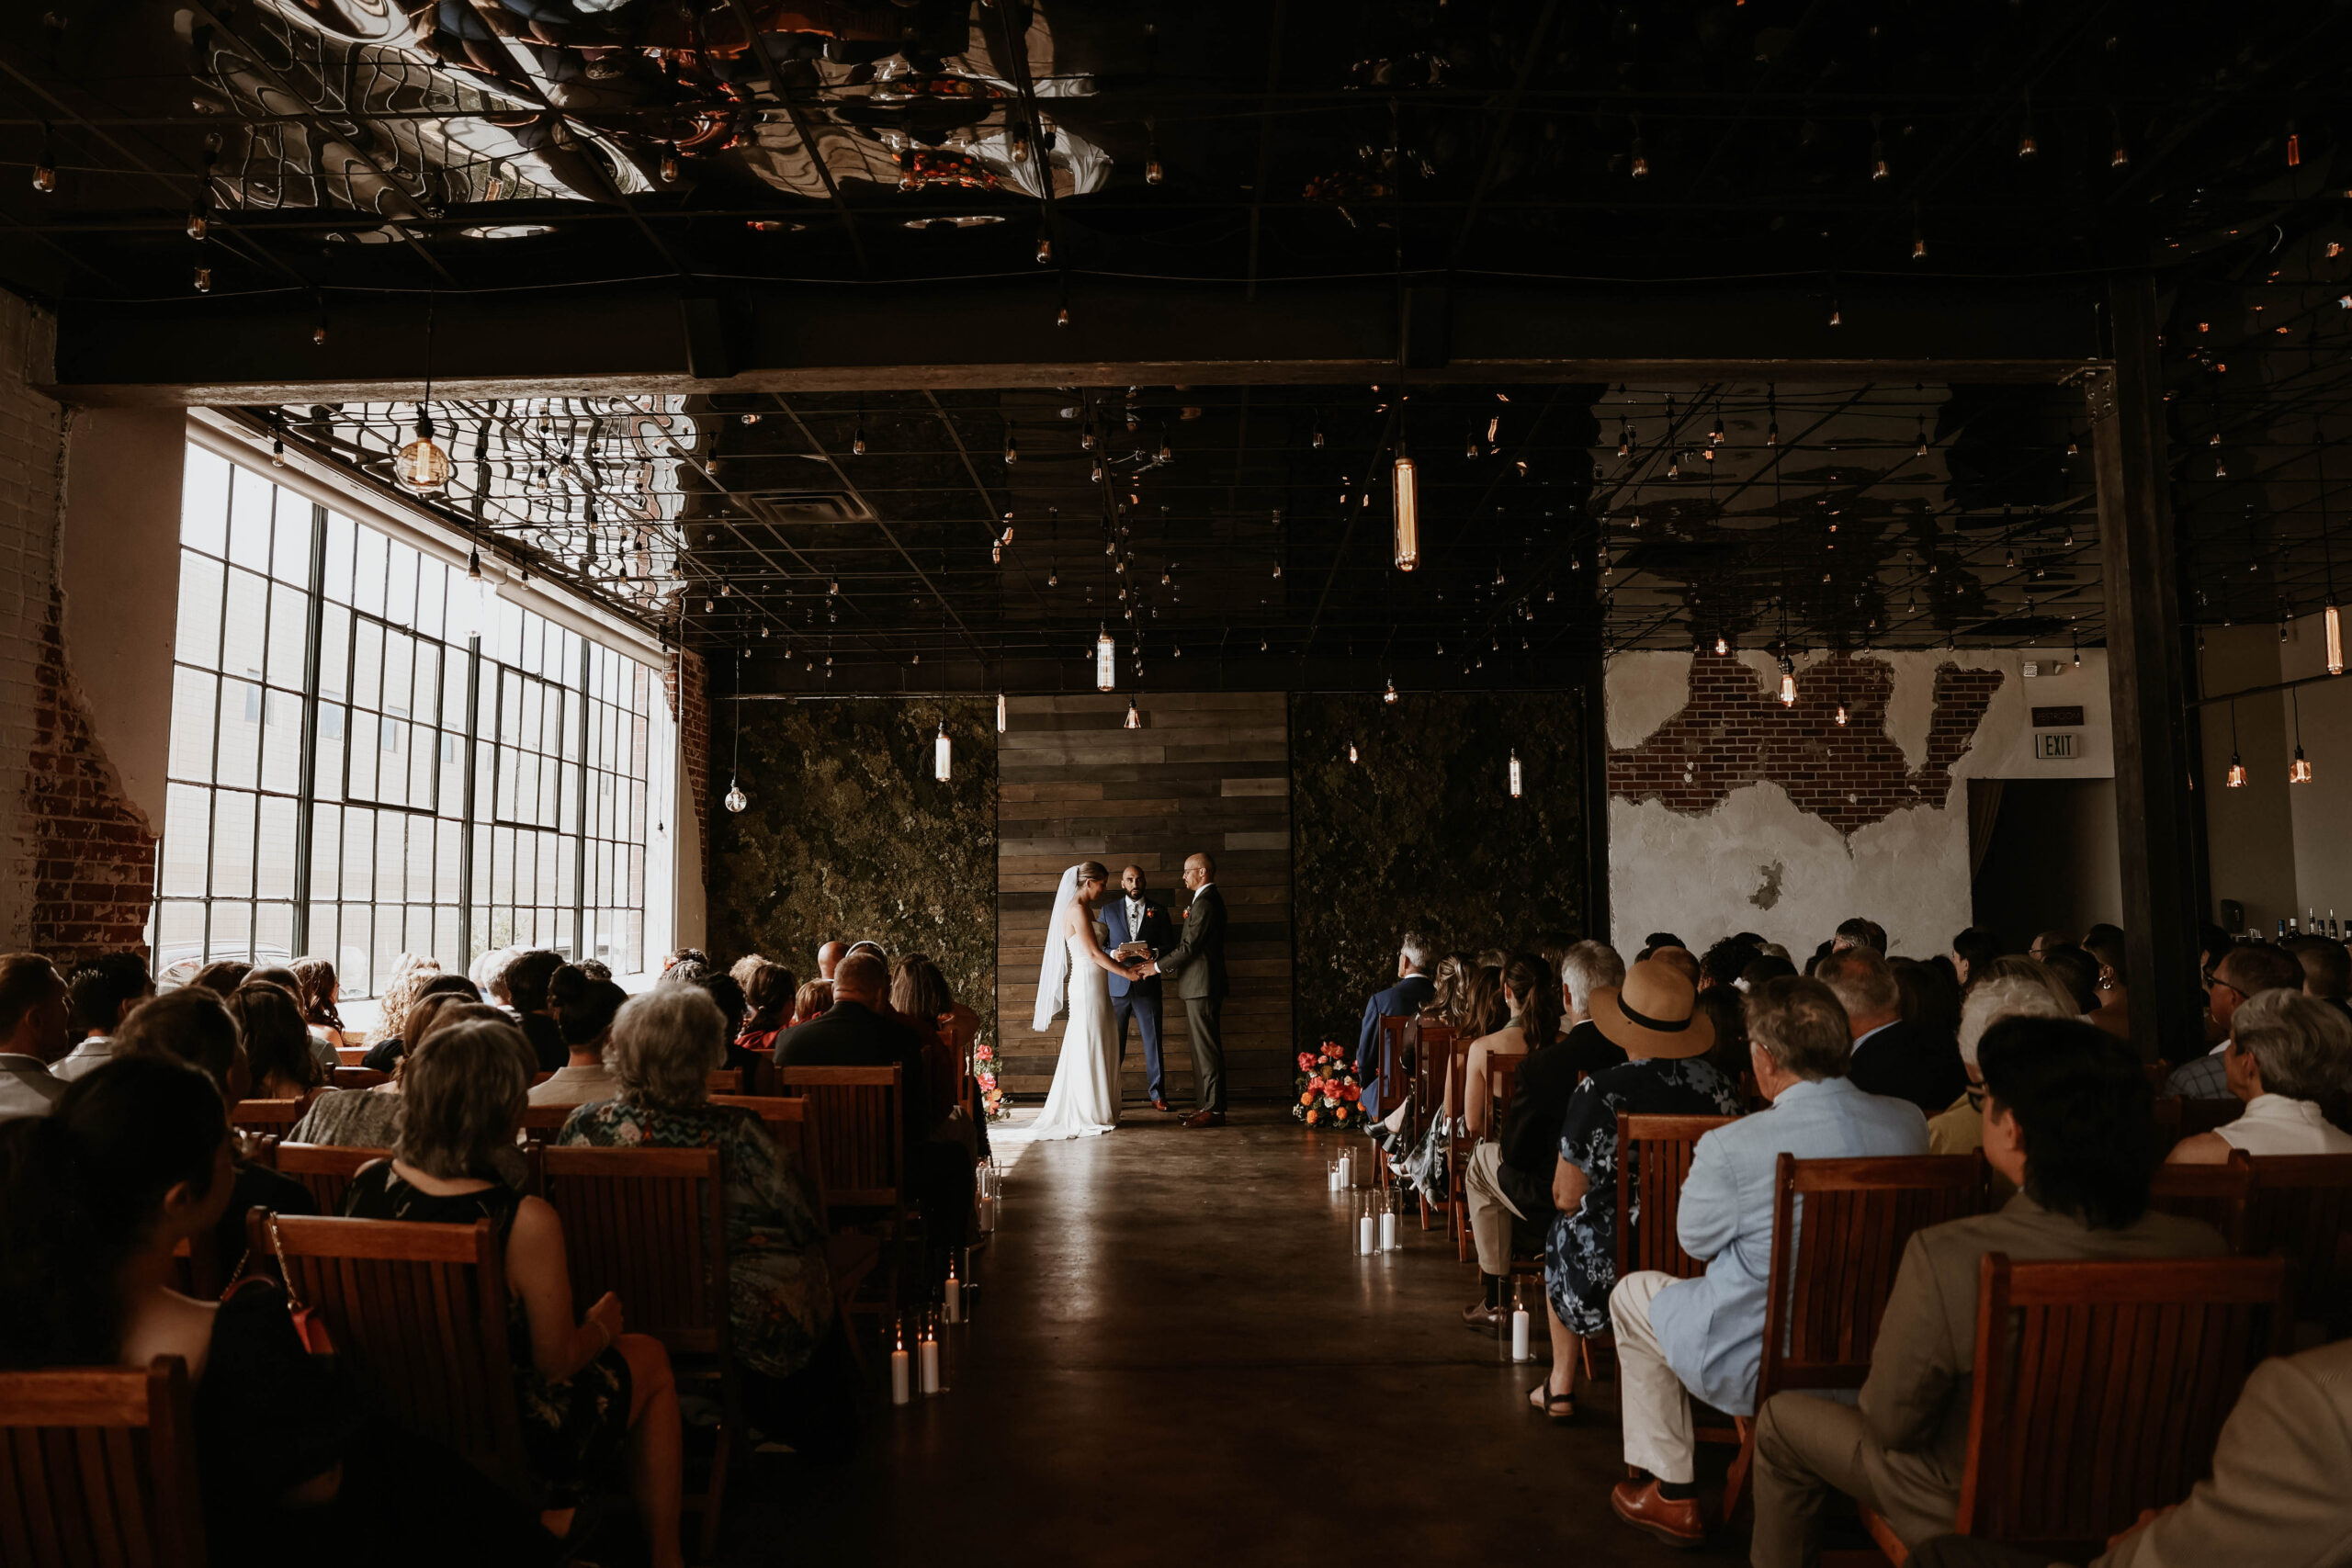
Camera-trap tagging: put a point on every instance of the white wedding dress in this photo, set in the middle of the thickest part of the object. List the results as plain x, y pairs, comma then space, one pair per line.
1085, 1097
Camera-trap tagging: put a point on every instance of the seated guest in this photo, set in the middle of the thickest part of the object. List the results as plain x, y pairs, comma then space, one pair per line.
1508, 1184
1899, 1060
1768, 966
489, 975
319, 991
425, 980
526, 989
794, 1361
585, 1390
2289, 1059
1532, 1018
34, 1031
2044, 941
1450, 978
813, 999
860, 1030
1929, 998
693, 956
290, 1465
1413, 991
2078, 969
1860, 932
1682, 958
2114, 1011
371, 1118
1726, 1011
1653, 1021
1970, 950
222, 977
2327, 968
2009, 987
741, 970
767, 1011
584, 1010
2067, 1120
1486, 1013
2243, 969
1656, 940
277, 1041
99, 994
829, 958
867, 945
1722, 964
919, 993
1705, 1337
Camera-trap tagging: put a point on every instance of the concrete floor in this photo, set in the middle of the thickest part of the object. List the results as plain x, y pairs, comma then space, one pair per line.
1176, 1358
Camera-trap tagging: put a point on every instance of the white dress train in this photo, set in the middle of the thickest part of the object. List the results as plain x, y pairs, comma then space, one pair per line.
1085, 1097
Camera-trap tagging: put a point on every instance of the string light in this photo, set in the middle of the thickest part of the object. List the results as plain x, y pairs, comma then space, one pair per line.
2237, 777
1106, 661
1135, 716
1787, 682
999, 713
1407, 486
735, 799
1352, 751
1390, 695
2300, 770
1722, 646
940, 754
1514, 774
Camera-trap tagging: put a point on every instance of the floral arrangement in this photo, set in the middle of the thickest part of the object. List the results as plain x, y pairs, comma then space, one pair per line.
1328, 1094
992, 1105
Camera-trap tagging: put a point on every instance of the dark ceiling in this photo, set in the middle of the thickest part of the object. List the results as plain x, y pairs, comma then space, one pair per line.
342, 154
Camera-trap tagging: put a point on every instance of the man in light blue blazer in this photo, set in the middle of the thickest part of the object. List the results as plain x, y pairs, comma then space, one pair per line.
1677, 1338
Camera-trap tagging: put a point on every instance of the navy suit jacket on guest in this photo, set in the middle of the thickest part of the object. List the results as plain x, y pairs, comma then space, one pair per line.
1159, 933
1403, 999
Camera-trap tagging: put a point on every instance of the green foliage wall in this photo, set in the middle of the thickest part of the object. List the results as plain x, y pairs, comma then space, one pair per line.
1421, 829
848, 835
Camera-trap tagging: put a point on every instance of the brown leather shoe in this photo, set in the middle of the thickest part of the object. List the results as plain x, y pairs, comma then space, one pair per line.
1677, 1521
1204, 1118
1157, 1103
1484, 1318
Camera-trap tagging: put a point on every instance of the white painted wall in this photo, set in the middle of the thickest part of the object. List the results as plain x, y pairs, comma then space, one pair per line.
1759, 863
2281, 850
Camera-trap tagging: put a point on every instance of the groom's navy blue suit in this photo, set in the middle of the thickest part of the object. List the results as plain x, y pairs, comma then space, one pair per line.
1139, 998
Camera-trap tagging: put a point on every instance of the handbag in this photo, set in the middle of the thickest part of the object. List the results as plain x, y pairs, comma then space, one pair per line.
309, 1326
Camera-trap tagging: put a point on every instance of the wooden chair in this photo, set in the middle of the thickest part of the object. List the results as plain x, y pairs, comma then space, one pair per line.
2204, 1115
196, 1271
546, 1121
1432, 1053
1388, 1067
359, 1077
352, 1055
101, 1468
419, 1312
2214, 1194
781, 1115
1458, 1145
2100, 1390
326, 1170
649, 1225
1839, 1227
1654, 1155
726, 1081
277, 1116
2299, 1206
2164, 1111
859, 1141
850, 1256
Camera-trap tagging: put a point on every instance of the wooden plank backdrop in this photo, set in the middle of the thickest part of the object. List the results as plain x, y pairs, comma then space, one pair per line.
1208, 771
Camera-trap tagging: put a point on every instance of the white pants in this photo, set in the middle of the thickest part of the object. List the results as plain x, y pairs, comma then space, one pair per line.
1655, 1408
1491, 1212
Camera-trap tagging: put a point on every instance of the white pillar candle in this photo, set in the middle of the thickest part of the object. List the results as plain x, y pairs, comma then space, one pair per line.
1347, 1174
1388, 1230
929, 1365
1519, 1348
954, 1299
899, 1368
1364, 1236
1331, 1177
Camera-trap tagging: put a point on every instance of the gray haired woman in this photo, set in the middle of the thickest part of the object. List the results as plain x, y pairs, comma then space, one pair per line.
2289, 1059
797, 1384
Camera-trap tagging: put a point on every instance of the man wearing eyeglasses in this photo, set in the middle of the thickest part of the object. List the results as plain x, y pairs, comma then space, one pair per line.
2243, 971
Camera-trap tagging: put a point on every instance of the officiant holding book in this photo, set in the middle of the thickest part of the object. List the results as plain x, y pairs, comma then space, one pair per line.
1139, 927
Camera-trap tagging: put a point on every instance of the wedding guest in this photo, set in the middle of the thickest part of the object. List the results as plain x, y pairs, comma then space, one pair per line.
813, 999
1722, 964
2289, 1059
526, 988
1678, 1338
1970, 950
1681, 959
489, 975
2114, 1011
2079, 970
371, 1118
100, 993
1926, 996
799, 1384
318, 991
1486, 1013
741, 970
584, 1010
414, 984
919, 993
2067, 1120
585, 1390
768, 1010
1860, 932
2327, 968
277, 1041
1413, 991
1890, 1056
2044, 941
291, 1466
2013, 987
1726, 1011
596, 968
1452, 979
1767, 966
1590, 968
2243, 969
1654, 1019
684, 955
829, 958
222, 975
1656, 940
1532, 1004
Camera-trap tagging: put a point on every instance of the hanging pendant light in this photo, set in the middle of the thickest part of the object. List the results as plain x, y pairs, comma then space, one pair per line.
1514, 774
1390, 695
999, 713
1352, 751
1722, 646
1841, 714
2332, 620
736, 800
2300, 770
423, 465
1135, 716
1787, 682
2237, 777
1106, 661
939, 769
1408, 506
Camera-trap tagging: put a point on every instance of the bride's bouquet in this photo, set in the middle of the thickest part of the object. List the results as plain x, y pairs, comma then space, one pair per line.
1328, 1094
992, 1105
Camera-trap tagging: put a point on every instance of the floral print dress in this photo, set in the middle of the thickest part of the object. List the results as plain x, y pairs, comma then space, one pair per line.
1580, 1254
781, 1294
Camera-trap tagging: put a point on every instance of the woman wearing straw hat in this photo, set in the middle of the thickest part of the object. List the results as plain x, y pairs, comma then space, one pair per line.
1654, 1019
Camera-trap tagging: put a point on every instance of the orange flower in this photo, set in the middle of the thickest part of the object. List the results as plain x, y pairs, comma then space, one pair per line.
1311, 1117
1307, 1098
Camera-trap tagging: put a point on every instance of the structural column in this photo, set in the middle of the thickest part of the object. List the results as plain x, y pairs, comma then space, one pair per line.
2143, 661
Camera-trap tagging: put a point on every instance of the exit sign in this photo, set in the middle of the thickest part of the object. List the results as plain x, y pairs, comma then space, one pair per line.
2054, 747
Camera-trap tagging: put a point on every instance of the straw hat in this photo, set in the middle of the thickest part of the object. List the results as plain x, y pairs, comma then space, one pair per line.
1653, 1014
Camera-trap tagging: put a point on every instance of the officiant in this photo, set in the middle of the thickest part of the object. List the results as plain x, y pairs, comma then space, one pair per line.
1136, 916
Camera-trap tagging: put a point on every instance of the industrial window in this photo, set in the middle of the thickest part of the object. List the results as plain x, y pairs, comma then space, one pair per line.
372, 756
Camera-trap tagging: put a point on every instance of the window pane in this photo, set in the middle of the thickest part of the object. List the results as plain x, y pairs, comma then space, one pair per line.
289, 630
290, 556
340, 541
245, 622
232, 843
197, 640
187, 836
194, 694
249, 507
326, 851
273, 934
179, 935
204, 502
232, 932
273, 851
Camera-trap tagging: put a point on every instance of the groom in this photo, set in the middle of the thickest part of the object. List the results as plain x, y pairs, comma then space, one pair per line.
1197, 962
1136, 916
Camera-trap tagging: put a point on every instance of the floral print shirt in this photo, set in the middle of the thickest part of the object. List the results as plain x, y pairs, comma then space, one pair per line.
782, 1296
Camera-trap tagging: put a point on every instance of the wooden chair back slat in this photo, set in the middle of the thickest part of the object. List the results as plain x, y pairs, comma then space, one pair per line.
855, 1111
1654, 1155
649, 1225
359, 1077
1502, 1083
2204, 1115
2299, 1206
547, 1120
419, 1312
1840, 1228
2100, 1389
725, 1080
1432, 1047
2216, 1194
785, 1117
269, 1115
326, 1170
97, 1468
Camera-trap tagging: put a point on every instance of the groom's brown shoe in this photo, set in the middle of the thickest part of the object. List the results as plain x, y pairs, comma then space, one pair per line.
1157, 1103
1204, 1118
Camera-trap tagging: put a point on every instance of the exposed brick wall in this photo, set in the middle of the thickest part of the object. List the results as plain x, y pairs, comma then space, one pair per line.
687, 684
95, 870
1734, 732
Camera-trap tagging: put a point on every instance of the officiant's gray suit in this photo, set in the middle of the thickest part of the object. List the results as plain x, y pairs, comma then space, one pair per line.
1198, 964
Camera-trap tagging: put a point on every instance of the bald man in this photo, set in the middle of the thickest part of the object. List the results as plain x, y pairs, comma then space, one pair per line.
829, 958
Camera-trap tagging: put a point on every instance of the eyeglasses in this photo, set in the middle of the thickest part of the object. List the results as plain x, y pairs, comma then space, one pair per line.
2212, 980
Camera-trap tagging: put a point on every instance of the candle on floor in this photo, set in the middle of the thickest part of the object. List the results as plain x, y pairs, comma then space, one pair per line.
954, 1294
930, 1364
1347, 1175
1331, 1176
1387, 1230
1365, 1234
899, 1369
1519, 1327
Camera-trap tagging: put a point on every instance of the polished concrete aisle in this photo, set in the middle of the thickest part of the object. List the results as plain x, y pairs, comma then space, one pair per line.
1176, 1359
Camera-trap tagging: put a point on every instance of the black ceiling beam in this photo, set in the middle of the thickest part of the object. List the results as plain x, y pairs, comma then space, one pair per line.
829, 337
766, 676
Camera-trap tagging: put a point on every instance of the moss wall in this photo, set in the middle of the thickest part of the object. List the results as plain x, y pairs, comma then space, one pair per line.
848, 835
1421, 829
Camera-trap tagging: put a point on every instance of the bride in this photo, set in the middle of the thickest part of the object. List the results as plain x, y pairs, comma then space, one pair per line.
1076, 977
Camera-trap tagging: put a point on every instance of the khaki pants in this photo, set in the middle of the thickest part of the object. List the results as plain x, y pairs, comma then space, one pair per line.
1805, 1446
1490, 1212
1653, 1404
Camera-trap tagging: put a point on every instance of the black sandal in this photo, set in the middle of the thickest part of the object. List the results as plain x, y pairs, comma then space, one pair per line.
1560, 1407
